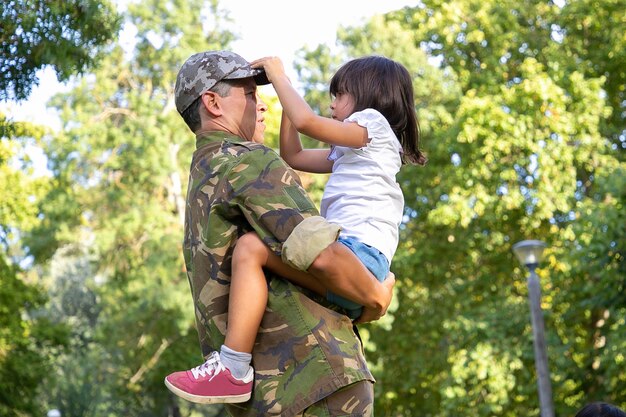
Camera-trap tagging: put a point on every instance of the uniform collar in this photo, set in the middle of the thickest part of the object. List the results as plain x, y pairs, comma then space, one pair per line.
204, 138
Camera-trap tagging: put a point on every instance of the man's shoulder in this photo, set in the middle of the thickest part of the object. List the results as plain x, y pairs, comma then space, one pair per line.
251, 146
248, 150
231, 143
228, 153
248, 166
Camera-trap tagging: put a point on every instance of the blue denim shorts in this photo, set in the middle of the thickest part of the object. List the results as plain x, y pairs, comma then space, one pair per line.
373, 259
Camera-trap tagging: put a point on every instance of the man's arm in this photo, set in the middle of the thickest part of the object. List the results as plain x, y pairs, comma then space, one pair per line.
312, 246
340, 271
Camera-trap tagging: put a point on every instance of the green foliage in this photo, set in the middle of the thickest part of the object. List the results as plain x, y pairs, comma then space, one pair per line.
16, 345
590, 315
595, 44
64, 34
20, 186
28, 340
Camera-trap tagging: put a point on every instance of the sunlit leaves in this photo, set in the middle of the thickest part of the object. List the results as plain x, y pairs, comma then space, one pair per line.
64, 34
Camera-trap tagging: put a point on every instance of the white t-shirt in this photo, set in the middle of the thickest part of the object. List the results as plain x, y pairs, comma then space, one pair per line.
362, 195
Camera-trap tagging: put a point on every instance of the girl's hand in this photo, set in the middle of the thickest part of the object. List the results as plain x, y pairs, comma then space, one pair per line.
272, 65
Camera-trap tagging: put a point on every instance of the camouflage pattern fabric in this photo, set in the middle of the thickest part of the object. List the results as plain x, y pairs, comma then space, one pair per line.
303, 351
355, 400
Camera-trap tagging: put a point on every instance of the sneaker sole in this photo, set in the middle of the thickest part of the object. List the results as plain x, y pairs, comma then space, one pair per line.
199, 399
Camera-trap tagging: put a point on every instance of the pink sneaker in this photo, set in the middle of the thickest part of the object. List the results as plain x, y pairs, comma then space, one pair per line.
210, 383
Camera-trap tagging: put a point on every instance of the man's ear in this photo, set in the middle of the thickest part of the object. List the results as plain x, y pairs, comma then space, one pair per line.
212, 104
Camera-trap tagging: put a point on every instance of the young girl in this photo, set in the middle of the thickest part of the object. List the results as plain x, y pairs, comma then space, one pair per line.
372, 131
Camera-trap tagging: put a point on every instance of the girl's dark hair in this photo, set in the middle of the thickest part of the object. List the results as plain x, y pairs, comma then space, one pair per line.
600, 409
385, 85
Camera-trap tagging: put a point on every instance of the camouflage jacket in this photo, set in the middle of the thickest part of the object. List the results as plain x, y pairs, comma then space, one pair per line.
303, 351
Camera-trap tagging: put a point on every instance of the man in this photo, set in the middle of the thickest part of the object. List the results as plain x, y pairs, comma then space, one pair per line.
308, 359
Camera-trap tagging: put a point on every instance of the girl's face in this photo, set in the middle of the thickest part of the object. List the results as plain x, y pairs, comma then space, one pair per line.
342, 106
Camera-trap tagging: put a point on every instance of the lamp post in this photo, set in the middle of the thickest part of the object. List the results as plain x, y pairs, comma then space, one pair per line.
530, 253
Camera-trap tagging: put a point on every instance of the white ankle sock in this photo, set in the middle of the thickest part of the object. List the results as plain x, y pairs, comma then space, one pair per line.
237, 362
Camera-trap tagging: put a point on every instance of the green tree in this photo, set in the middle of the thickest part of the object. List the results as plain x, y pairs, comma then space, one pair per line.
28, 339
64, 34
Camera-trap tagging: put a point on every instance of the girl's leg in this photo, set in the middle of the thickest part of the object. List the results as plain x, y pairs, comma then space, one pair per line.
248, 289
248, 293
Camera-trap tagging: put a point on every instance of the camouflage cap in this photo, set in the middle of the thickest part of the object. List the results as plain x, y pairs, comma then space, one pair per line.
203, 70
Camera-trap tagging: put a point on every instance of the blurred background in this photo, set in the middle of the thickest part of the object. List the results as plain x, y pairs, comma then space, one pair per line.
522, 108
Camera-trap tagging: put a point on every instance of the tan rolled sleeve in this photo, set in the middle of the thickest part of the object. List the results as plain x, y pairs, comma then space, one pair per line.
307, 240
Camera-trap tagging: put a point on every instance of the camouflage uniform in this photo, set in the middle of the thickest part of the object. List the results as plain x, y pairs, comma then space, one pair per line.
304, 352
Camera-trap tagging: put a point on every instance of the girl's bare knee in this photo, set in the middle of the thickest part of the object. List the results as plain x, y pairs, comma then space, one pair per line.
249, 246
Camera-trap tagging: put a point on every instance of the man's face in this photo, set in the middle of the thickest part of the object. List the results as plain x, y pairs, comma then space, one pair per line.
241, 110
259, 131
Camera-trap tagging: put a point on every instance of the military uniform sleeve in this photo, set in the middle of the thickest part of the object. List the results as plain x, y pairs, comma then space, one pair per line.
269, 194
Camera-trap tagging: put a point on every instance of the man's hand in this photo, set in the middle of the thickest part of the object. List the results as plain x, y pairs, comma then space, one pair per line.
339, 270
372, 314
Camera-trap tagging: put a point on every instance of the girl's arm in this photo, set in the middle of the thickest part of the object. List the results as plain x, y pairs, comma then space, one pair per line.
309, 160
333, 132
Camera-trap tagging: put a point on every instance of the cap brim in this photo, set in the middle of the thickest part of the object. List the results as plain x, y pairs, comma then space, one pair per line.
261, 77
258, 74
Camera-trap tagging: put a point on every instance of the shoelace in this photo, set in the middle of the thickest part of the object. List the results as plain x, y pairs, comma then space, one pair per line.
213, 366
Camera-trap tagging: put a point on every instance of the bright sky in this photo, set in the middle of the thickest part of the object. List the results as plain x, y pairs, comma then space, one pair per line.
270, 27
280, 27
